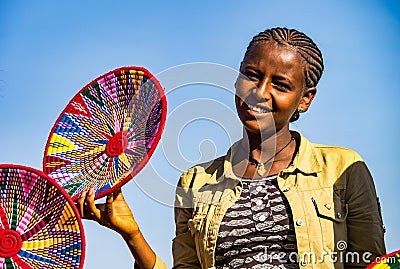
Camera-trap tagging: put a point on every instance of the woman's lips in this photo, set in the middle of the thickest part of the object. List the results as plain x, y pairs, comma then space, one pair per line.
256, 110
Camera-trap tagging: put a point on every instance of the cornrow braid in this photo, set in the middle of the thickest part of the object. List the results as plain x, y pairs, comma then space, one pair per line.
302, 44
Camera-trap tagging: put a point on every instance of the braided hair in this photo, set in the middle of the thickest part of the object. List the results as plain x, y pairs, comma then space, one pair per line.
302, 44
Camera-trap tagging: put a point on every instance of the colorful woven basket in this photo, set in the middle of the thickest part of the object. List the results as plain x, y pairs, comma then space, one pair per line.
388, 261
107, 132
39, 224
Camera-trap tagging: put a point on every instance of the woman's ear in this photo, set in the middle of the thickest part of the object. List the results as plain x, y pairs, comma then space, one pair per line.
307, 98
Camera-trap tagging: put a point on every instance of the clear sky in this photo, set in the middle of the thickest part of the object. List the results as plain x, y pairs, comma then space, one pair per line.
50, 49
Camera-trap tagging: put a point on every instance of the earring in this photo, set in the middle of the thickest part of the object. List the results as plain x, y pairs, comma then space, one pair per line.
295, 116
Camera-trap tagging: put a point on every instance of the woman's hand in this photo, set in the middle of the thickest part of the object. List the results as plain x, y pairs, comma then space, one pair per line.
114, 214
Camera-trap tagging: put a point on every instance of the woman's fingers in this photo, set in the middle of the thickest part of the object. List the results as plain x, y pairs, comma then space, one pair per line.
86, 206
109, 204
118, 195
91, 206
80, 203
114, 213
116, 205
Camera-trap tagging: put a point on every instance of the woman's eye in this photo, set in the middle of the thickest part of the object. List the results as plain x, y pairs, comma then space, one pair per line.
282, 86
252, 76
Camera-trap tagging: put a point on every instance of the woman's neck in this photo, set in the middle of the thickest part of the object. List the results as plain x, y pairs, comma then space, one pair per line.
262, 146
273, 152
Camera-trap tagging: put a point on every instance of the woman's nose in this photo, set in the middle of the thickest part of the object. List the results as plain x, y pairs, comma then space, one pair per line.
264, 89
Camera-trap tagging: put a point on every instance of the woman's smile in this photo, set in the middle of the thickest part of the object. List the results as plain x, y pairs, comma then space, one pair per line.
257, 109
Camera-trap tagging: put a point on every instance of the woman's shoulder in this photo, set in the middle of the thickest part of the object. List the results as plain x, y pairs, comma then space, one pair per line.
203, 173
337, 157
329, 152
337, 151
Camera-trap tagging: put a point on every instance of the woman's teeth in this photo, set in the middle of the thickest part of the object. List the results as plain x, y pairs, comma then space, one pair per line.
258, 109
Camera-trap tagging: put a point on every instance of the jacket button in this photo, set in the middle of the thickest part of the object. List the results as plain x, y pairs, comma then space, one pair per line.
286, 189
299, 222
339, 215
328, 206
303, 263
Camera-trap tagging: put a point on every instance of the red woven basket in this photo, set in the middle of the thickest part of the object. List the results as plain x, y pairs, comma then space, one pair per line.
40, 226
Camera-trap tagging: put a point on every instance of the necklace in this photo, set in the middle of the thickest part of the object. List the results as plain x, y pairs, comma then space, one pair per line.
261, 166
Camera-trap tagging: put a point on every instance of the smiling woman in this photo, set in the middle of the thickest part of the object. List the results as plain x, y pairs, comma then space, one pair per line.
275, 200
277, 85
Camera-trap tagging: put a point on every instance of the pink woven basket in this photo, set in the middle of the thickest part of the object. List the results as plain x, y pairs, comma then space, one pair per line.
107, 132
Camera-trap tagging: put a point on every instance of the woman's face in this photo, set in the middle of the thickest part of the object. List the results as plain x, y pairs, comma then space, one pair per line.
272, 88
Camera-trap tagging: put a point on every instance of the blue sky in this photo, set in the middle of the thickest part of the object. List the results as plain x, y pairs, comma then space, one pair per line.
50, 49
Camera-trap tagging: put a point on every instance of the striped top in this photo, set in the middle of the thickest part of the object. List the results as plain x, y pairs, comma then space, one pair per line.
257, 231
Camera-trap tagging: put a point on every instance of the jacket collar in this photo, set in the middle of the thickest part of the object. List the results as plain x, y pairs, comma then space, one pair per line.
307, 160
228, 172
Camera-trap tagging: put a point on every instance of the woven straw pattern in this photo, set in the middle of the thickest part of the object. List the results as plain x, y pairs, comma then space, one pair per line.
39, 227
107, 132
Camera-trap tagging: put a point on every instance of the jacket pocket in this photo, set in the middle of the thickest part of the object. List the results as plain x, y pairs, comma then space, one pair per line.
332, 214
332, 209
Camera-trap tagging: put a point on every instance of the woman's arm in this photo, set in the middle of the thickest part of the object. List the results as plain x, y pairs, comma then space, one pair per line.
364, 221
183, 245
116, 215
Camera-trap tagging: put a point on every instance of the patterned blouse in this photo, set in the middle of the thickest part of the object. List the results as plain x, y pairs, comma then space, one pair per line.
257, 231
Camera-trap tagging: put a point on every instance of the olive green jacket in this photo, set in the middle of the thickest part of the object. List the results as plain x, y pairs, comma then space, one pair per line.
331, 193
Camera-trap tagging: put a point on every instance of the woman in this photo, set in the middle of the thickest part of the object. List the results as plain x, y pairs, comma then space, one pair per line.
275, 200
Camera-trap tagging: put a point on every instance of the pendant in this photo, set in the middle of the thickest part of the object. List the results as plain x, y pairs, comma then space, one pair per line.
261, 169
